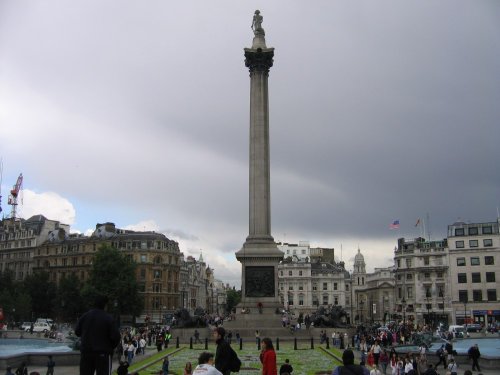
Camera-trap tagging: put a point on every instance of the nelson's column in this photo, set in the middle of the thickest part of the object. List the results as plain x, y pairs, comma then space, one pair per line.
259, 255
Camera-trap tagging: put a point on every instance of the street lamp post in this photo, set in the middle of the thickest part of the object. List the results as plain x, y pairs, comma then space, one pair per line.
466, 315
403, 304
361, 304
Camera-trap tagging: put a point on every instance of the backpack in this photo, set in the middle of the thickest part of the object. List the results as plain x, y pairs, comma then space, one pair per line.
234, 361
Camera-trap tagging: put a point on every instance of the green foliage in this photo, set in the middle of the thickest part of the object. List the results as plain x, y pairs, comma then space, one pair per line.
233, 298
69, 301
113, 275
42, 293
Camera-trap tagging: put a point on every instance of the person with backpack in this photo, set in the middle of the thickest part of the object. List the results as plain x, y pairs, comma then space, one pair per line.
223, 353
453, 367
268, 357
349, 368
441, 353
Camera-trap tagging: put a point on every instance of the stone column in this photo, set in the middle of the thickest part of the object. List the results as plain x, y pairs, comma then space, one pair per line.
259, 255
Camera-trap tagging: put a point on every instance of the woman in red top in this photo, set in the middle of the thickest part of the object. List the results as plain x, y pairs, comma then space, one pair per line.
268, 357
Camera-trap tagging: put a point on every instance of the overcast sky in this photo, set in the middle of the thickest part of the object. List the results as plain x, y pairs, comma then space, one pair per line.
138, 113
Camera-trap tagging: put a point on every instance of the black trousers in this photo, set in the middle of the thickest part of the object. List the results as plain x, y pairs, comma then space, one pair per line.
92, 362
475, 364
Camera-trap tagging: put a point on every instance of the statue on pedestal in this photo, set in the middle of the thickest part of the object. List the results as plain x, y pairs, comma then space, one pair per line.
257, 23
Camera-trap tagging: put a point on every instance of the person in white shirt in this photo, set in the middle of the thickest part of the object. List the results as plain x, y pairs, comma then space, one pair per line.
408, 366
375, 371
206, 365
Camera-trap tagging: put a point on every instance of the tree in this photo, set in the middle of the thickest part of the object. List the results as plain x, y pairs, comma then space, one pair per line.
42, 293
233, 298
69, 301
113, 275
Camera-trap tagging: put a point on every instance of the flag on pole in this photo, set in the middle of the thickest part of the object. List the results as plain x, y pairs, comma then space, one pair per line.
394, 225
418, 222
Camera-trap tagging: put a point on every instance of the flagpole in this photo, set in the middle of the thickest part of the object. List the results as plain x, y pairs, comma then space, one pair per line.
428, 227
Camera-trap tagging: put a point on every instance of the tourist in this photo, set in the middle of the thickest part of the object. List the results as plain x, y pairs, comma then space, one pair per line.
431, 371
206, 365
441, 353
223, 351
8, 371
130, 351
453, 367
188, 369
474, 354
122, 368
375, 371
50, 366
197, 337
384, 361
159, 342
268, 357
286, 368
165, 365
142, 346
22, 370
408, 366
348, 361
257, 336
99, 337
375, 349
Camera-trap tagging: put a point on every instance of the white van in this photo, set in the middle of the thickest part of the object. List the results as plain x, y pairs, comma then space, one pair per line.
50, 322
458, 331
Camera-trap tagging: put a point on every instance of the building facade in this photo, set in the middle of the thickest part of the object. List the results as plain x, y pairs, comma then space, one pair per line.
421, 270
474, 262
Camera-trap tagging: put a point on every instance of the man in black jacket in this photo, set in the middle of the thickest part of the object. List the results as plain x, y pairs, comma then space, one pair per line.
99, 337
474, 353
223, 352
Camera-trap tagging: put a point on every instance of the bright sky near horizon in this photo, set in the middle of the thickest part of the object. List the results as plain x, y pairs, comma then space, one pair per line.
138, 113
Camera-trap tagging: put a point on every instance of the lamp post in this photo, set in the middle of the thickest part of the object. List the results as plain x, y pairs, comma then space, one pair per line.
361, 304
403, 304
443, 313
465, 313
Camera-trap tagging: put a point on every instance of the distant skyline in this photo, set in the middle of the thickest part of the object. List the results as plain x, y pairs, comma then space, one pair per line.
138, 114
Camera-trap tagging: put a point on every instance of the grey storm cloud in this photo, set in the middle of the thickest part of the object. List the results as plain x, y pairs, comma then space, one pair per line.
378, 111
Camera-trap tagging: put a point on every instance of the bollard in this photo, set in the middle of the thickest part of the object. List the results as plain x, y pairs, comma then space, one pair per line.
241, 343
312, 342
277, 343
190, 343
328, 343
206, 343
295, 343
177, 342
258, 343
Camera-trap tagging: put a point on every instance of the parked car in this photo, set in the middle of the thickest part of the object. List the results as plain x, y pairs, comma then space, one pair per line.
26, 326
39, 327
474, 327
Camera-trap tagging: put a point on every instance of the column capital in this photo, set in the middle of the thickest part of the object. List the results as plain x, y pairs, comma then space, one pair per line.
259, 60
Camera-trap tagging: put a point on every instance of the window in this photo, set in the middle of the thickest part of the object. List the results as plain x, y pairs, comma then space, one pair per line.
489, 260
426, 261
474, 261
144, 258
409, 292
476, 277
439, 275
325, 300
289, 273
488, 242
409, 276
487, 230
459, 231
301, 300
473, 231
315, 286
462, 278
399, 263
157, 288
459, 244
347, 287
490, 277
463, 296
473, 243
408, 263
300, 273
290, 287
477, 295
157, 274
325, 286
460, 262
400, 293
440, 290
399, 276
335, 300
492, 294
281, 273
301, 286
335, 285
303, 252
427, 275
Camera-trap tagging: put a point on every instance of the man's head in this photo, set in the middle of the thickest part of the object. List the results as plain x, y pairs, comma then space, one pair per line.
348, 357
206, 357
287, 360
219, 333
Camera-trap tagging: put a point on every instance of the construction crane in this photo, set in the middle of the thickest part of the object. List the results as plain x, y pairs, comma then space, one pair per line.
14, 193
